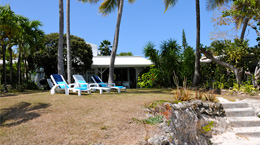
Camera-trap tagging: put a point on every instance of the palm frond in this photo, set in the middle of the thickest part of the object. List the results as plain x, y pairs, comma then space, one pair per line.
169, 3
131, 1
108, 6
89, 1
212, 4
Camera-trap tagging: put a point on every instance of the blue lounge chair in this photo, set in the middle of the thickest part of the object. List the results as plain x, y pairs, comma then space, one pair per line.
61, 85
80, 81
97, 80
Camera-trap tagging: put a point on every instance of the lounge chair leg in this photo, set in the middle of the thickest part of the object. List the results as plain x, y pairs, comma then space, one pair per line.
79, 92
101, 91
119, 90
52, 91
125, 89
89, 92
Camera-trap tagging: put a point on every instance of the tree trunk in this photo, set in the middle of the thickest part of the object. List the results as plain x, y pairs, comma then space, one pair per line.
19, 67
196, 78
244, 28
4, 66
69, 64
60, 49
11, 65
238, 72
115, 43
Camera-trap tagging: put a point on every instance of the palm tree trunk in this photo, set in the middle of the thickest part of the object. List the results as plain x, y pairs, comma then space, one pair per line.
19, 67
244, 28
196, 78
11, 64
4, 66
115, 43
60, 49
69, 64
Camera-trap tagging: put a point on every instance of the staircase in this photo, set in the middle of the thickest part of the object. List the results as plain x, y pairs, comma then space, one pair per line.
242, 119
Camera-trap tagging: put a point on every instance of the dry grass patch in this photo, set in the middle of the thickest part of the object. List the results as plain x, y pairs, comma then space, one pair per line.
42, 118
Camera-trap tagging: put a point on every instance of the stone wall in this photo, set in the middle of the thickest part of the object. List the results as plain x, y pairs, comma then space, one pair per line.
187, 120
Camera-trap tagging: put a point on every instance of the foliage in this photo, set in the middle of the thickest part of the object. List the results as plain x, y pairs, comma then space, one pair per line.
81, 54
210, 96
198, 95
105, 47
246, 87
207, 127
149, 79
181, 94
167, 60
125, 54
188, 64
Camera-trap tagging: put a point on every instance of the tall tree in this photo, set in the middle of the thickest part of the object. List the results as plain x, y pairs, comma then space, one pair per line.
8, 30
61, 29
105, 47
106, 7
184, 41
196, 77
69, 63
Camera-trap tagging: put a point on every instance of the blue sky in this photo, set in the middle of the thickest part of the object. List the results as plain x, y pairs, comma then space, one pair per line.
142, 21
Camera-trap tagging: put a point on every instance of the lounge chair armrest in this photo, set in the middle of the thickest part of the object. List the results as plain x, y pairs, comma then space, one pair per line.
84, 84
72, 85
111, 84
103, 84
93, 85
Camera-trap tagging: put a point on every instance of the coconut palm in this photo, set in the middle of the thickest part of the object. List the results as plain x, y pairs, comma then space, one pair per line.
60, 47
106, 7
105, 47
8, 29
213, 4
69, 63
196, 77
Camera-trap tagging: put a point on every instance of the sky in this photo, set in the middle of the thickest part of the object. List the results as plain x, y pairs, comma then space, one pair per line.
141, 22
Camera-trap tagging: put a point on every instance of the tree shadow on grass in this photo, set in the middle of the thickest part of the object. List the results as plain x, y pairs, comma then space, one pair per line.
20, 113
151, 91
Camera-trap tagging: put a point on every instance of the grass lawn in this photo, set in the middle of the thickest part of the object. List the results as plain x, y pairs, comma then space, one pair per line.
42, 118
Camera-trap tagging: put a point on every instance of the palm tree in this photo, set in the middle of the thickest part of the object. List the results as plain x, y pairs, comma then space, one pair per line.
196, 77
69, 63
8, 30
60, 47
106, 7
213, 4
104, 48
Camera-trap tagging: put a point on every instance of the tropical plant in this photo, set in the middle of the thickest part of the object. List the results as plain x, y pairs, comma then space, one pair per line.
125, 54
196, 77
8, 30
105, 47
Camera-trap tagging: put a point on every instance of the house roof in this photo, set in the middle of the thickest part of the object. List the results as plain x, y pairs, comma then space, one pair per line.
121, 61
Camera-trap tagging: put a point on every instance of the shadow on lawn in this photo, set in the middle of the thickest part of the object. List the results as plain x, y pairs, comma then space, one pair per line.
10, 94
151, 92
20, 113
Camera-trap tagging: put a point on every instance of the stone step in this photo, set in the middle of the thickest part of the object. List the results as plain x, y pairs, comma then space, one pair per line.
248, 131
239, 112
235, 105
244, 121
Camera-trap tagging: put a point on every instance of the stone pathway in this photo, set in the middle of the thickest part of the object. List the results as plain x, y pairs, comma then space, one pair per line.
245, 125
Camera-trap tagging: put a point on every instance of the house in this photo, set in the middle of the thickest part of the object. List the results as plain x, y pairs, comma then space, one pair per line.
127, 68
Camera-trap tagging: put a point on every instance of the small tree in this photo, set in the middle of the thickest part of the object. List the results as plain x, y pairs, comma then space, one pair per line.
105, 47
125, 54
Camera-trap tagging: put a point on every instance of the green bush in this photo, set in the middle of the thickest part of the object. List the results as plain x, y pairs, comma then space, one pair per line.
149, 79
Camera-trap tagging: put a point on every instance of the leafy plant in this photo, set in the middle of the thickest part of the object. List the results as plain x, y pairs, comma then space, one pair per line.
198, 95
207, 127
210, 97
182, 94
148, 80
153, 120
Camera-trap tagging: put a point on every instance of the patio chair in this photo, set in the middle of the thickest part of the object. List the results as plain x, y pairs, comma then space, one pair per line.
61, 85
80, 81
97, 80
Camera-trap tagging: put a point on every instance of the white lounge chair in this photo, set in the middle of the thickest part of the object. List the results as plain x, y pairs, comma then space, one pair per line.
80, 81
61, 85
97, 80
